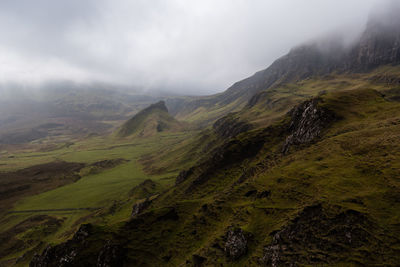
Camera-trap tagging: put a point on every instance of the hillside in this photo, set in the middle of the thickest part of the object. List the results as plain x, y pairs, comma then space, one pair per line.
298, 165
378, 45
150, 121
303, 190
64, 111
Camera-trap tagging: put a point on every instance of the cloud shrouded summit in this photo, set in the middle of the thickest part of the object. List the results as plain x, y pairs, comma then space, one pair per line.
183, 46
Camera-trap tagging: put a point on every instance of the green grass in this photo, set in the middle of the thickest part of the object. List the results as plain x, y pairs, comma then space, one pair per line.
96, 190
354, 165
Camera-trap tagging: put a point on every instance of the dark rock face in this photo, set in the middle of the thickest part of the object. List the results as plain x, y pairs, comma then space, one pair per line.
229, 127
317, 236
140, 207
236, 243
231, 152
183, 175
307, 122
111, 255
65, 254
170, 214
380, 43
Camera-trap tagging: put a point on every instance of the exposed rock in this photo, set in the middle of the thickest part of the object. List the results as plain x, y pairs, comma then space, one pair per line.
229, 127
318, 236
64, 254
183, 175
380, 43
307, 122
139, 207
236, 243
111, 255
231, 152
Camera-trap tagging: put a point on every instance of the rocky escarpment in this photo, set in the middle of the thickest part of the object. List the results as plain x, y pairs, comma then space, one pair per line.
111, 255
86, 248
236, 243
140, 207
229, 126
183, 175
65, 254
319, 235
308, 120
380, 43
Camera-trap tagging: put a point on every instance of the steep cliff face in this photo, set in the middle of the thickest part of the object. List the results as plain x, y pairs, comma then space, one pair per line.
378, 45
317, 231
308, 120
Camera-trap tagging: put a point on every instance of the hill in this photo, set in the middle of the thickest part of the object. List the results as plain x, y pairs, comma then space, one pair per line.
297, 165
304, 190
149, 121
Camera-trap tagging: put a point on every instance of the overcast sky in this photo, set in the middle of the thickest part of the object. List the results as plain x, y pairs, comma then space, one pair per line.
186, 46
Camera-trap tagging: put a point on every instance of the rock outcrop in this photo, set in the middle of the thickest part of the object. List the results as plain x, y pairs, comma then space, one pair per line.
184, 175
139, 207
380, 43
229, 127
319, 235
308, 120
65, 254
236, 243
111, 255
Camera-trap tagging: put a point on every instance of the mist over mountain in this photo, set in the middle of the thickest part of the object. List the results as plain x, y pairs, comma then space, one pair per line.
183, 47
112, 154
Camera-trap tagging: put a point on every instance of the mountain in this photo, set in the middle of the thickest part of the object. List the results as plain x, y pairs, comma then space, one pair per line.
318, 187
378, 45
297, 165
64, 108
150, 121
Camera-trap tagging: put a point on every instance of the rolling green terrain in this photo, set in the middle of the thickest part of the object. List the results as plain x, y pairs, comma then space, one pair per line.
241, 180
97, 188
298, 165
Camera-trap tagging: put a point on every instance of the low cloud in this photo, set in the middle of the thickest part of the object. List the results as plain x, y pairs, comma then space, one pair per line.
190, 47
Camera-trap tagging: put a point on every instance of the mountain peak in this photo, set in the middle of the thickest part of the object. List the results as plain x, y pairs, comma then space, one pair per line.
159, 105
149, 121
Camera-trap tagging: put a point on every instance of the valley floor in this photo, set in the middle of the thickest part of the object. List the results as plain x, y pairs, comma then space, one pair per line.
74, 185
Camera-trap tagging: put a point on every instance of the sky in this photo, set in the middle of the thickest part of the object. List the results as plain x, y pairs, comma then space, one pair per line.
181, 46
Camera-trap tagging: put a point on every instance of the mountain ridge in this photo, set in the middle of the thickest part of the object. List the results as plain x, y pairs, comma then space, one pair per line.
378, 45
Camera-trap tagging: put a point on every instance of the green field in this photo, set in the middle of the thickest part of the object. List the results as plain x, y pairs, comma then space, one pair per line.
92, 190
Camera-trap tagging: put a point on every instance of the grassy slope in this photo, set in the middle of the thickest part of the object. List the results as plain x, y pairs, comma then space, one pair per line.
92, 190
354, 166
335, 170
270, 106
